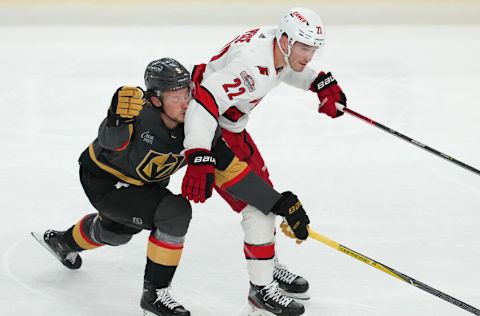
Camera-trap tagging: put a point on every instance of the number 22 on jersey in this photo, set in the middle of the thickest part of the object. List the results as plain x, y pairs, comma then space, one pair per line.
234, 88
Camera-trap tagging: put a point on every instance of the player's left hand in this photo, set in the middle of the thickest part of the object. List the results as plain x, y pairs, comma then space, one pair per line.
287, 231
291, 208
329, 93
197, 183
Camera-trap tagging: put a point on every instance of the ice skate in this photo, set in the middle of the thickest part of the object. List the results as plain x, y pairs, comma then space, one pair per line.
53, 241
290, 284
159, 302
269, 300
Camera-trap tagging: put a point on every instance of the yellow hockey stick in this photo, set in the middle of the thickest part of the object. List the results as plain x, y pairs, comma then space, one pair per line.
352, 253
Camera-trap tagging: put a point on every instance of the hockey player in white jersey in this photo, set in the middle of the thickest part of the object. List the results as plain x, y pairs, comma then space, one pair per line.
228, 88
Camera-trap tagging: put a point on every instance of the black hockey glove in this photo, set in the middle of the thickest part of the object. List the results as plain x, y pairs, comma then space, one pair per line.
290, 207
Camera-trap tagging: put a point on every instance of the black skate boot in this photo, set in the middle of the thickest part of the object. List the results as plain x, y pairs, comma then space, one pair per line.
290, 284
268, 300
159, 302
54, 242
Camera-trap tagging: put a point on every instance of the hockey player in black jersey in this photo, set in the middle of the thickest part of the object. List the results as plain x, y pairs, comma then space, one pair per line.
125, 173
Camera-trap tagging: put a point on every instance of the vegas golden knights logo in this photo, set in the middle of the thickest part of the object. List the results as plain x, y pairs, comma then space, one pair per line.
157, 167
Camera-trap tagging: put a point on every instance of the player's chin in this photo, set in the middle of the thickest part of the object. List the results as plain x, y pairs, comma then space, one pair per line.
299, 67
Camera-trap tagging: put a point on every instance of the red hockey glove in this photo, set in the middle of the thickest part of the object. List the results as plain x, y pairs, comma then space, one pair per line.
290, 207
328, 92
198, 180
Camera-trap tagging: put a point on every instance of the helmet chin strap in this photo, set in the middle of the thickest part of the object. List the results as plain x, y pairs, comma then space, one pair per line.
285, 55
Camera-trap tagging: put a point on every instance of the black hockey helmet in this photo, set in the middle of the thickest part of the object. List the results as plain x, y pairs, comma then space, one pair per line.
166, 74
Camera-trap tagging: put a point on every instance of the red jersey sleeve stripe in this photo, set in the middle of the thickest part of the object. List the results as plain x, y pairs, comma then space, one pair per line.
236, 179
197, 73
206, 99
127, 142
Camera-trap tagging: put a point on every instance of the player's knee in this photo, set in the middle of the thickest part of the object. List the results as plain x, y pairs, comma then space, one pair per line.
173, 215
111, 233
257, 227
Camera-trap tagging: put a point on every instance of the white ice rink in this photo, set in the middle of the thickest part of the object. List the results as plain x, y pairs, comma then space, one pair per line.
364, 188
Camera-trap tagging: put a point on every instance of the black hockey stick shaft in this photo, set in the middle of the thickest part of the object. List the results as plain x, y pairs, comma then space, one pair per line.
377, 265
410, 140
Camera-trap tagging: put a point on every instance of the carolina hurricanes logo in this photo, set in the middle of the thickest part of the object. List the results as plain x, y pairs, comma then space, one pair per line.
157, 167
248, 81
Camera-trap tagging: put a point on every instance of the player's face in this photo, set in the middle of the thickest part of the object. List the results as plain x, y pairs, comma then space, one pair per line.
175, 104
300, 55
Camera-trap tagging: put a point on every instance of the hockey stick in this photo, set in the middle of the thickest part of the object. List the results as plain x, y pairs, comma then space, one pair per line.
406, 138
333, 244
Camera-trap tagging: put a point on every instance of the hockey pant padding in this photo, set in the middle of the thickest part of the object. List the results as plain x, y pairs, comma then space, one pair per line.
93, 231
259, 245
163, 256
172, 215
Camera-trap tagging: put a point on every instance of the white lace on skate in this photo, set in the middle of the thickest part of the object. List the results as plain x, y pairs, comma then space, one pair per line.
280, 272
163, 296
274, 293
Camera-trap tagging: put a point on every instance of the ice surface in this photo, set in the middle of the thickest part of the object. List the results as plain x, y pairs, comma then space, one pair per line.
362, 187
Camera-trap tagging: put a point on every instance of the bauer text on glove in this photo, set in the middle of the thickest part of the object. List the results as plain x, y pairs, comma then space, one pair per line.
198, 180
291, 208
329, 93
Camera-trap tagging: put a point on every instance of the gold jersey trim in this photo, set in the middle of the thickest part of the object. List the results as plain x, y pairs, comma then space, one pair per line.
234, 169
111, 170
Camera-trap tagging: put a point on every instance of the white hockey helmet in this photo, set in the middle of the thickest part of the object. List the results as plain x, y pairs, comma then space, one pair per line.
301, 25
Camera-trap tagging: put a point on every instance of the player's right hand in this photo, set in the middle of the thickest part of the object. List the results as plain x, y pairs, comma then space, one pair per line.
291, 208
197, 183
329, 93
127, 102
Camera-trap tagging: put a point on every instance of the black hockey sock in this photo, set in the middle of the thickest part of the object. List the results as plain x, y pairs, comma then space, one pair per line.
70, 242
158, 275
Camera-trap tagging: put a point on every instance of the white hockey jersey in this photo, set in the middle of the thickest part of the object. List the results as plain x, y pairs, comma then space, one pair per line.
233, 83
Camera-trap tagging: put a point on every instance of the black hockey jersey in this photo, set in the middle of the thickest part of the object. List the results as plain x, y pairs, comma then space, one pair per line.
146, 151
143, 152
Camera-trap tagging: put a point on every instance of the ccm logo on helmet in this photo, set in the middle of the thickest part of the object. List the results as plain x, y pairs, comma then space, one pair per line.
300, 17
204, 159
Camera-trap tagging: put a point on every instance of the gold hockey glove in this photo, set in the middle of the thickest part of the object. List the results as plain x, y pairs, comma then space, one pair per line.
127, 102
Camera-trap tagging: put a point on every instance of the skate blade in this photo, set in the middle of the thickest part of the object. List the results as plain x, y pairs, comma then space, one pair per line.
297, 296
255, 311
39, 237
